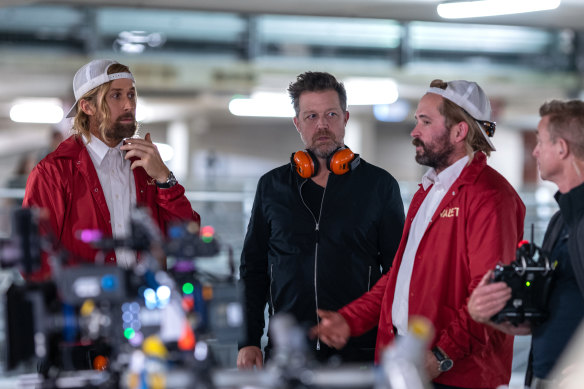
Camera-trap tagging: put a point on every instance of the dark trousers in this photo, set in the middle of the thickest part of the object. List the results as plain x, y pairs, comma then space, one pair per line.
440, 386
327, 354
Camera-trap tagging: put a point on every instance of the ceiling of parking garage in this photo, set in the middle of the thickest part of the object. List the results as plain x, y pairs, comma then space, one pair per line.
192, 56
568, 15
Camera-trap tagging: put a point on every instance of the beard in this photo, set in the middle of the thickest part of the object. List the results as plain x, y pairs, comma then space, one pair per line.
436, 154
323, 150
118, 131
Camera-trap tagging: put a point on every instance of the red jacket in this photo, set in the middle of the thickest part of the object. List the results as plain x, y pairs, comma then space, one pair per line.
65, 183
478, 224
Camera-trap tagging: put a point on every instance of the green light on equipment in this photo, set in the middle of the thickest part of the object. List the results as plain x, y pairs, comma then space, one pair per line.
528, 283
129, 333
188, 288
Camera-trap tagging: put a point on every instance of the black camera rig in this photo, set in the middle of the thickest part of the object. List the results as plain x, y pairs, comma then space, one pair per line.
530, 278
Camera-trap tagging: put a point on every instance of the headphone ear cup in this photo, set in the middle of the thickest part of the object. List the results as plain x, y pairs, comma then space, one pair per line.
339, 162
305, 165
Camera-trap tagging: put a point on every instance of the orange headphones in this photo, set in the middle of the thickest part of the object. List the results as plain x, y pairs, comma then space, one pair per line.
339, 162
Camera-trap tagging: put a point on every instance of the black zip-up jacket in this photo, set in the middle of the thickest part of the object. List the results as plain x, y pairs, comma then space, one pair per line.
295, 262
572, 213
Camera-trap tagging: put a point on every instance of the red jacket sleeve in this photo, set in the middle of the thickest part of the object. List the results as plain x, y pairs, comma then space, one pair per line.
45, 192
363, 314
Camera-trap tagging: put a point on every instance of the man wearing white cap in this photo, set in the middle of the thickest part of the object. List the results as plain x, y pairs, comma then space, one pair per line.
93, 179
464, 219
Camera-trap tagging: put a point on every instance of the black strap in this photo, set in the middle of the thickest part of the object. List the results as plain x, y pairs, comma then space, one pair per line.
355, 162
551, 237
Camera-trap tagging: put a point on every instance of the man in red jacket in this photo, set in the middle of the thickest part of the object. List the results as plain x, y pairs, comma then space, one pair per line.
93, 179
463, 220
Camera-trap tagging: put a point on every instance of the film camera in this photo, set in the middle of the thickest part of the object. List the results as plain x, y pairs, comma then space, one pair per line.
530, 278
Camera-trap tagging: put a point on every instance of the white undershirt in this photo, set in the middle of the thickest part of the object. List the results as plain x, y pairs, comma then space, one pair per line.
117, 183
441, 183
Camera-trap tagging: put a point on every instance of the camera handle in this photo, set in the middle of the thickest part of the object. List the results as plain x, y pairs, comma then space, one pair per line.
521, 271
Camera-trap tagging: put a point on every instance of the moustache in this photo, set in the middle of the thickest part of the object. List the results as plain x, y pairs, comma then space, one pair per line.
323, 133
126, 117
417, 142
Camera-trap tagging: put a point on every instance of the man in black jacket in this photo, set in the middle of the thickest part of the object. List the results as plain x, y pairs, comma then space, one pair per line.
560, 157
322, 229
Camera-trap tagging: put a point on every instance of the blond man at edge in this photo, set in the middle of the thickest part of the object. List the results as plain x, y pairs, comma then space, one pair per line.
92, 180
463, 220
560, 158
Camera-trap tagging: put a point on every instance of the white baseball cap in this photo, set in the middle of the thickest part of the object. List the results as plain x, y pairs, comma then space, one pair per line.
91, 76
469, 96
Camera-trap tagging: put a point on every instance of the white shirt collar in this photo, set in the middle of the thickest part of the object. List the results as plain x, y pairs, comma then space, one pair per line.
98, 148
447, 176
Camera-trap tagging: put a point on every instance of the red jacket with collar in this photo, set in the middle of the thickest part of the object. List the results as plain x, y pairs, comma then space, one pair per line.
66, 184
477, 225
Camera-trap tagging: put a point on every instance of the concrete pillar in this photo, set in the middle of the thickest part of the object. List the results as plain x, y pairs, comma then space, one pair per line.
360, 136
178, 139
508, 159
198, 157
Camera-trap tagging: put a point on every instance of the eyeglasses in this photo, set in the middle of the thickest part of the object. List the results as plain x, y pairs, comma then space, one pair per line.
488, 126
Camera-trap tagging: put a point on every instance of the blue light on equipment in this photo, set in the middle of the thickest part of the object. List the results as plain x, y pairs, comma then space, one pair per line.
150, 298
163, 295
109, 283
163, 292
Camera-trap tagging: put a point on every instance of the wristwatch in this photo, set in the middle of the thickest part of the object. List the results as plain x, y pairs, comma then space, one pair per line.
170, 182
444, 362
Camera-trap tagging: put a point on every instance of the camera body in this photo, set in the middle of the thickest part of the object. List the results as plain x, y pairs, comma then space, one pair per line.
530, 278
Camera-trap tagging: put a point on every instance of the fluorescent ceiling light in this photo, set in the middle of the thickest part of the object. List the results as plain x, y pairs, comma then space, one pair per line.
479, 38
480, 8
262, 104
370, 91
36, 110
360, 91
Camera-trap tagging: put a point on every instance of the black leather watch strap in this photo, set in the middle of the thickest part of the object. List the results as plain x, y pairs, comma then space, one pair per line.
444, 362
170, 182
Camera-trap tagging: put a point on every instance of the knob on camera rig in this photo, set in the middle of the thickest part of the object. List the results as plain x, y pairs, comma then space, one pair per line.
530, 278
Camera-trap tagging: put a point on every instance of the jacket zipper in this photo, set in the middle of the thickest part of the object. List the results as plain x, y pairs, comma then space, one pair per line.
369, 280
315, 287
317, 231
271, 282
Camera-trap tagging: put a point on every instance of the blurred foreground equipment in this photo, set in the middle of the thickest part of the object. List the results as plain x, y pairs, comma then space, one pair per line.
105, 326
99, 326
